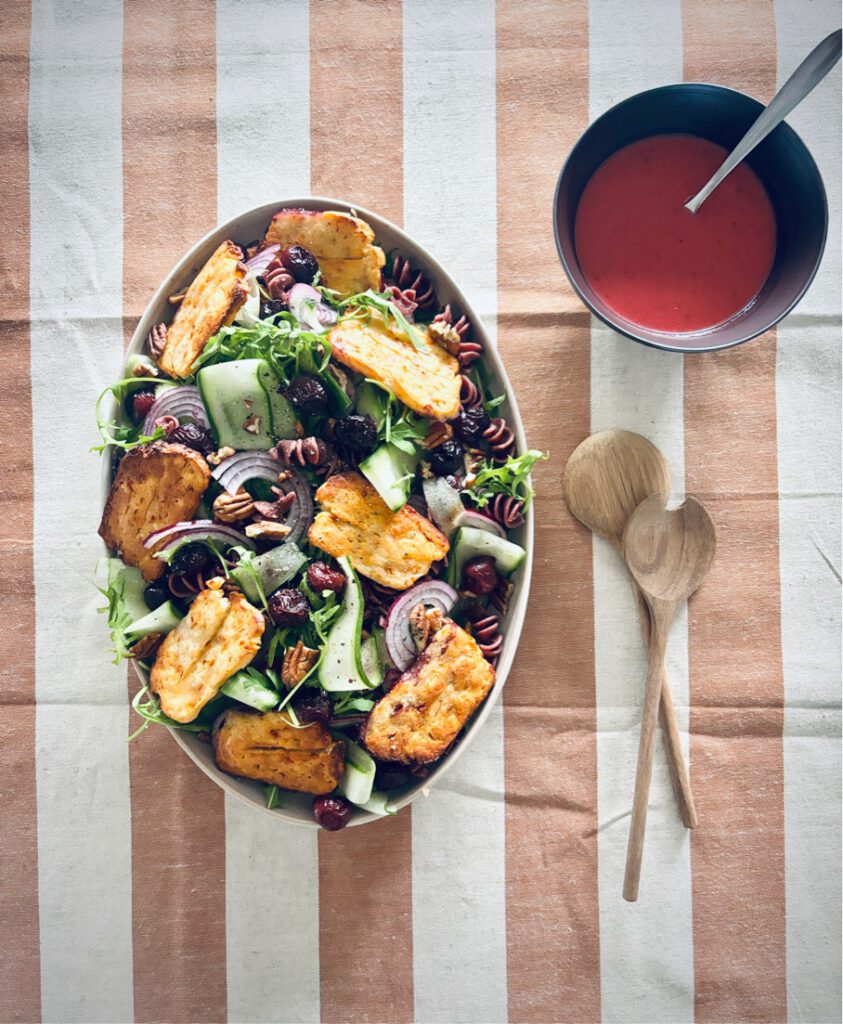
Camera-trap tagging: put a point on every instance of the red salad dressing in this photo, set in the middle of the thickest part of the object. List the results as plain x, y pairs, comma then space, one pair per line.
656, 264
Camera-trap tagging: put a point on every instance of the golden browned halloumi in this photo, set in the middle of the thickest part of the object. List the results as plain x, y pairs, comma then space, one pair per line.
391, 548
331, 234
219, 635
342, 245
156, 485
267, 748
217, 292
427, 379
425, 711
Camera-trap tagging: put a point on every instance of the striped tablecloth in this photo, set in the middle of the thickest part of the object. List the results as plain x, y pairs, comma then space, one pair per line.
131, 889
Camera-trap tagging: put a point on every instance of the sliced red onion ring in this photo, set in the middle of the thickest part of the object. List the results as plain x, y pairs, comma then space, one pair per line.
183, 403
398, 638
480, 522
197, 529
306, 305
260, 261
233, 472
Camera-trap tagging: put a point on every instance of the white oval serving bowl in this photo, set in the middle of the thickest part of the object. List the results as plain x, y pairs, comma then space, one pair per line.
242, 229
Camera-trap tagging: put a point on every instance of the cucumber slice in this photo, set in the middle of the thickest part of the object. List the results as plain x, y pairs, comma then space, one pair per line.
128, 582
237, 402
341, 667
273, 569
390, 471
161, 620
469, 542
370, 658
282, 415
359, 776
378, 803
250, 689
369, 402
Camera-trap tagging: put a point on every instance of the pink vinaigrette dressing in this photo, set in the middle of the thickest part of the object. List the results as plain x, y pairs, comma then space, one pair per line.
656, 264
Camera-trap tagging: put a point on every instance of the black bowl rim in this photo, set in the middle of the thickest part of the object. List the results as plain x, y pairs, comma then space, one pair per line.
627, 330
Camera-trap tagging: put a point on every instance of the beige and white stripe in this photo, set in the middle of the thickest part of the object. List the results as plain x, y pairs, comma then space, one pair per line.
131, 890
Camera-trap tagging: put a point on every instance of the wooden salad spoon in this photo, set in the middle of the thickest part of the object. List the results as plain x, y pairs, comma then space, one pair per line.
606, 479
669, 554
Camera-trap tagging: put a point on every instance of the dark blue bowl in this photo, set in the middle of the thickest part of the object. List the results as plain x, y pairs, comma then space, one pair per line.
781, 161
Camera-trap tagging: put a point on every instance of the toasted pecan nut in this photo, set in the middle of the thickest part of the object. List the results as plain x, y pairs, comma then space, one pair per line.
231, 508
445, 336
298, 661
215, 458
266, 530
424, 622
156, 340
437, 434
145, 646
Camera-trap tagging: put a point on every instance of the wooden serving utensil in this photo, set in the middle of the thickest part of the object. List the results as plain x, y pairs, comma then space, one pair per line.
606, 479
669, 554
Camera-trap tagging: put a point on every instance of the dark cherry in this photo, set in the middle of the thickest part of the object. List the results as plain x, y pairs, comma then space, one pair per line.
190, 558
322, 577
313, 706
479, 575
142, 402
391, 776
288, 607
194, 437
155, 595
471, 423
358, 432
307, 394
300, 262
271, 307
446, 457
331, 812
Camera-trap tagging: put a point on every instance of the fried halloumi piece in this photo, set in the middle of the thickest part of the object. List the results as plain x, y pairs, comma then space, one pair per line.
156, 485
342, 245
212, 300
267, 748
426, 379
425, 711
219, 635
391, 548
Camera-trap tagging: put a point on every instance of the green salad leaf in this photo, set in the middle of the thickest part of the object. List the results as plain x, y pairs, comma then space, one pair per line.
350, 702
119, 617
396, 423
148, 706
114, 433
287, 348
509, 478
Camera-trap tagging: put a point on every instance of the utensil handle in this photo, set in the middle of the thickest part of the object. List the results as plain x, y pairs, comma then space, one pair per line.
809, 74
652, 694
670, 728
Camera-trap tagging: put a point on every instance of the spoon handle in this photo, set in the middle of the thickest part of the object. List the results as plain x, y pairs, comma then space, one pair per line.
810, 73
670, 729
661, 618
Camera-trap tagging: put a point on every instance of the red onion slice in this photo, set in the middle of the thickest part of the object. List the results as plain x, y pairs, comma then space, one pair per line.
198, 529
233, 472
261, 260
300, 515
306, 305
398, 638
183, 403
481, 522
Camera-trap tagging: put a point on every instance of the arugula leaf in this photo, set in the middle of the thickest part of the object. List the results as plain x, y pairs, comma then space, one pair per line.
397, 424
119, 617
148, 706
114, 433
509, 478
360, 306
349, 702
273, 797
281, 342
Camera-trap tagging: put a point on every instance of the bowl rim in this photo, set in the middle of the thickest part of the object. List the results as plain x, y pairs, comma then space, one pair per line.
624, 327
190, 261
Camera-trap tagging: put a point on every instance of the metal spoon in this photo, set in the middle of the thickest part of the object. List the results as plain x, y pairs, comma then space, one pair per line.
606, 478
810, 73
669, 555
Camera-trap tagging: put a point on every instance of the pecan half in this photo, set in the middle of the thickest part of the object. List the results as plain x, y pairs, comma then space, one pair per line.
298, 661
266, 530
424, 622
145, 646
231, 508
215, 458
437, 434
156, 340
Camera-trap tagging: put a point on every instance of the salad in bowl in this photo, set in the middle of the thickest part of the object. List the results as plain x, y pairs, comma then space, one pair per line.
316, 512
